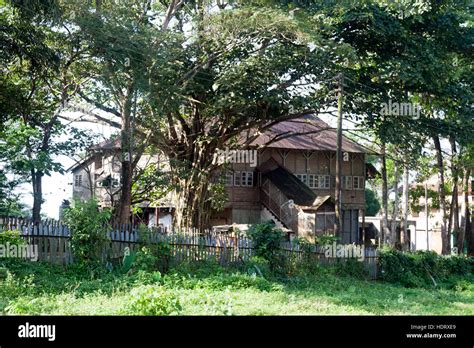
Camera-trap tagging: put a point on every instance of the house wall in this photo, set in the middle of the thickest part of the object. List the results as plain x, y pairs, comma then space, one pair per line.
243, 202
97, 169
318, 162
81, 184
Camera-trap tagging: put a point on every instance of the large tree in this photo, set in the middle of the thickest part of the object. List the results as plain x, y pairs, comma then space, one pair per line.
38, 80
407, 52
194, 80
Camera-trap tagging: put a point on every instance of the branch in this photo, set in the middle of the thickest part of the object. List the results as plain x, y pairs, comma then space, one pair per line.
172, 8
99, 105
98, 119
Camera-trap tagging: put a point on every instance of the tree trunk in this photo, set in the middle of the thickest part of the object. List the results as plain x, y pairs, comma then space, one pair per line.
453, 226
37, 183
191, 200
125, 202
384, 225
394, 240
464, 231
338, 223
405, 197
470, 245
445, 236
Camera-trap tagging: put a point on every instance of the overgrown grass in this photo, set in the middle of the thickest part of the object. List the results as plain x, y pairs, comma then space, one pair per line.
206, 289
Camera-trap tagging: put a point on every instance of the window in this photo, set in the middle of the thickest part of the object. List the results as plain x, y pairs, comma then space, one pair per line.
358, 182
115, 180
98, 183
247, 178
324, 181
302, 177
319, 181
347, 182
78, 180
237, 179
243, 179
312, 181
228, 179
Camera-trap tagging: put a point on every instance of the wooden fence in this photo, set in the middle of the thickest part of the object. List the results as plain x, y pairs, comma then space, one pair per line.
53, 241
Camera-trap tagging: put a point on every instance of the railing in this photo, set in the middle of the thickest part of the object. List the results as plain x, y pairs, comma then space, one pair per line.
275, 201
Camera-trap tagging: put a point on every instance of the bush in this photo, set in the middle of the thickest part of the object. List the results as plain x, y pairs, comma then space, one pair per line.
258, 266
422, 268
200, 268
11, 237
145, 260
156, 252
352, 268
267, 244
89, 228
153, 300
326, 239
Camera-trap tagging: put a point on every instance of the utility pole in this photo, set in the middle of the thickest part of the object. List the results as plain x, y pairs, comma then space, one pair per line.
338, 224
426, 213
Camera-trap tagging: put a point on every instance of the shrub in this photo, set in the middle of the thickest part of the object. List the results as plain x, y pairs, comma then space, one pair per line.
153, 300
159, 249
267, 244
89, 228
218, 305
11, 237
422, 268
145, 260
326, 239
351, 268
148, 278
29, 305
258, 266
200, 268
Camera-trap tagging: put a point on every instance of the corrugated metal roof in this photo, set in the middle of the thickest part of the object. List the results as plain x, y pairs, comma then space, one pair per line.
305, 133
320, 200
108, 144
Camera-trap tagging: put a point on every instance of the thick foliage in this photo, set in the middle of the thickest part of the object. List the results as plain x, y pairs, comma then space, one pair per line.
89, 227
11, 237
421, 269
267, 243
153, 300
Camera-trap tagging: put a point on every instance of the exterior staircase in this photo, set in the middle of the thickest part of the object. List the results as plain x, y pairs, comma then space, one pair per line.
267, 214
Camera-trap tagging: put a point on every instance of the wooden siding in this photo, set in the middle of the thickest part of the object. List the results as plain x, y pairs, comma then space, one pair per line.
320, 162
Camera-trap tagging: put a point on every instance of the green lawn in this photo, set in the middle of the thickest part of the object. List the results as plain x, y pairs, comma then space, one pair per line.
27, 288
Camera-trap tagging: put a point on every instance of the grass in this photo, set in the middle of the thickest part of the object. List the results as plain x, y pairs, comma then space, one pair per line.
38, 289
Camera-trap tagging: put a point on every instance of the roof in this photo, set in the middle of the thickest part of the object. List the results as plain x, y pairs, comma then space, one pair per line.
109, 144
319, 201
305, 133
371, 171
78, 164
